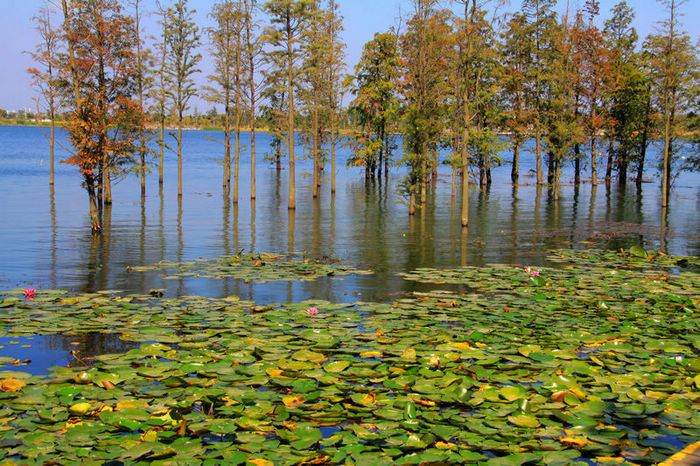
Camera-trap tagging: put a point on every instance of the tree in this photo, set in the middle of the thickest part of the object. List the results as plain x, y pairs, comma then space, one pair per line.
44, 76
142, 85
225, 39
310, 95
181, 60
105, 117
334, 67
541, 22
674, 66
159, 93
480, 82
596, 78
251, 52
629, 94
562, 119
289, 20
375, 105
427, 52
516, 54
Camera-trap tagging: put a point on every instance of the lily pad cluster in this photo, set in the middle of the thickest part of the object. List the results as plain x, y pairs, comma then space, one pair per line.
563, 366
255, 267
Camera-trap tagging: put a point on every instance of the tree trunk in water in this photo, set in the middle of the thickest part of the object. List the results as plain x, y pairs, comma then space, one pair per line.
236, 160
577, 164
538, 152
317, 163
412, 203
594, 165
95, 223
482, 174
645, 139
179, 157
668, 152
385, 139
51, 150
465, 180
550, 168
108, 185
292, 204
227, 152
487, 167
515, 170
252, 159
162, 151
608, 167
435, 170
557, 176
332, 153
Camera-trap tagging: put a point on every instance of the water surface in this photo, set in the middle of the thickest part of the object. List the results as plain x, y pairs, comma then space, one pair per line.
45, 239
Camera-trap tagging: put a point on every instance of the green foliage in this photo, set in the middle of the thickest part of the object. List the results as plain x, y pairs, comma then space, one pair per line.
181, 42
559, 365
375, 106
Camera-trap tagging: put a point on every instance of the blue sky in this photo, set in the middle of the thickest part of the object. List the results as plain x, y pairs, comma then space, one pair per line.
362, 19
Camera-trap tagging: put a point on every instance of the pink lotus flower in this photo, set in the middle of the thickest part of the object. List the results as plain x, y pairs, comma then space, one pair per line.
29, 293
312, 311
535, 273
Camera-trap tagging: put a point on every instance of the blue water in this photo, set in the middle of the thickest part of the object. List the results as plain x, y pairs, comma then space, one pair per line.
45, 240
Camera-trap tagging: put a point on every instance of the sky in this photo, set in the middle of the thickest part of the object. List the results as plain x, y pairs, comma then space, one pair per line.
362, 18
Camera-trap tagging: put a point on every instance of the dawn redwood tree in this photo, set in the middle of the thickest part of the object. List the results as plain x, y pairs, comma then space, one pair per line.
427, 53
562, 119
289, 20
181, 60
516, 54
629, 91
105, 117
482, 90
252, 49
335, 66
673, 63
376, 104
142, 57
159, 91
44, 75
310, 95
225, 40
596, 79
541, 24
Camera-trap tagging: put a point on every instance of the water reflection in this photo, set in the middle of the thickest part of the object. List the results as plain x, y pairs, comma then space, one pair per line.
365, 222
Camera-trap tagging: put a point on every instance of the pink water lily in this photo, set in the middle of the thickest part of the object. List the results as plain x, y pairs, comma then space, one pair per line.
29, 293
535, 273
312, 311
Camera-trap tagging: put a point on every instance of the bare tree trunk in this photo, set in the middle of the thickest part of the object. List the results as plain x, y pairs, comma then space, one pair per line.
515, 170
608, 167
52, 142
644, 142
179, 156
317, 162
290, 119
95, 224
142, 129
594, 164
107, 185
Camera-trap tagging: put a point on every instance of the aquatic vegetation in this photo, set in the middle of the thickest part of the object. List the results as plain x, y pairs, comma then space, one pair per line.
595, 360
255, 267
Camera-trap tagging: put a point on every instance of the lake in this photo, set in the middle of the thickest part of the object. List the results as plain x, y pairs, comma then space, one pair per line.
46, 240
